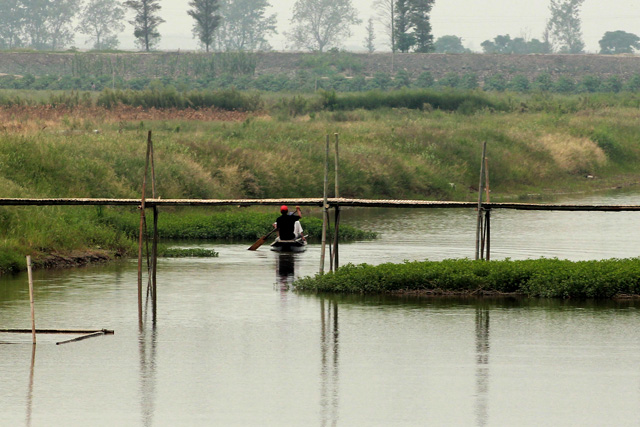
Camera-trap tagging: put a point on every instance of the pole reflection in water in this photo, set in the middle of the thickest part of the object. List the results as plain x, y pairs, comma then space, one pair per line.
147, 342
329, 374
482, 365
30, 392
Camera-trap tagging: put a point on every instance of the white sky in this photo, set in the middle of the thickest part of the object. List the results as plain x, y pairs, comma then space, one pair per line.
473, 20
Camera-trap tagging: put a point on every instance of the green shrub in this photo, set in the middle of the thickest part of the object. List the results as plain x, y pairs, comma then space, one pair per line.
425, 80
496, 82
519, 83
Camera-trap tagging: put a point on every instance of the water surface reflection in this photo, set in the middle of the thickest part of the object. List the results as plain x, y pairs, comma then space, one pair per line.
229, 343
329, 349
482, 362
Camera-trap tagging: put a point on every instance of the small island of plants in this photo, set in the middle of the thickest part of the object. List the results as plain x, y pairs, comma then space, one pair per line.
547, 278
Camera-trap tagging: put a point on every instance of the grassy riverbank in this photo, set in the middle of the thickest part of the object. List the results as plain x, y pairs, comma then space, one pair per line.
549, 278
229, 225
537, 143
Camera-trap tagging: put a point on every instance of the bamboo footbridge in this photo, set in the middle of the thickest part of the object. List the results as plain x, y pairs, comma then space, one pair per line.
320, 202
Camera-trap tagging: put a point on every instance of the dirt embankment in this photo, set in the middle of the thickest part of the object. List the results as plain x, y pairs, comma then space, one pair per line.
179, 64
74, 259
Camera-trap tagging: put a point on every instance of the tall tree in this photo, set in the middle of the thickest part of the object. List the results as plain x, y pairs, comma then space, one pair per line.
36, 23
614, 42
146, 22
60, 22
371, 36
318, 24
245, 25
420, 20
404, 38
386, 15
206, 20
102, 20
413, 25
564, 25
11, 23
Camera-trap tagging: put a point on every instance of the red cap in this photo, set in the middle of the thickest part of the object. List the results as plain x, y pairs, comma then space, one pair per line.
284, 208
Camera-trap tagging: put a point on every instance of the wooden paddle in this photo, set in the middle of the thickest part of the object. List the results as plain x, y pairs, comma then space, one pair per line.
261, 240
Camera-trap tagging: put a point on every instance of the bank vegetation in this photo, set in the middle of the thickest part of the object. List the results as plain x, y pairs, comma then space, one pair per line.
413, 144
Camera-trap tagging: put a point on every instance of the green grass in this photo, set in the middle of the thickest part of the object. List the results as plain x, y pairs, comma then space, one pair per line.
549, 278
231, 226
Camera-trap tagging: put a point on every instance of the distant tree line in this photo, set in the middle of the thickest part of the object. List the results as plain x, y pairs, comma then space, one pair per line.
245, 25
49, 24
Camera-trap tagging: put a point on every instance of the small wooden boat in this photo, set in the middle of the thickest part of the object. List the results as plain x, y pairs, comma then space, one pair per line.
297, 245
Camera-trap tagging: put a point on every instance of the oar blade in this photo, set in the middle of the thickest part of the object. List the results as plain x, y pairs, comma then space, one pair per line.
261, 240
257, 244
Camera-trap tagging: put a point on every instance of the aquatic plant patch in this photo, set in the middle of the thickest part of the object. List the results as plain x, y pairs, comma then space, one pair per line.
549, 278
188, 252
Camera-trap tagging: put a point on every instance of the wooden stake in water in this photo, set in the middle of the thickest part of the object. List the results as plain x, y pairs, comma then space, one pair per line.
33, 315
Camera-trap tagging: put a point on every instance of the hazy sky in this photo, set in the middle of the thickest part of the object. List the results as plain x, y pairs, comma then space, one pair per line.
473, 20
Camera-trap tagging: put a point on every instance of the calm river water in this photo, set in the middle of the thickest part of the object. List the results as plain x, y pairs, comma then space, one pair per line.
232, 346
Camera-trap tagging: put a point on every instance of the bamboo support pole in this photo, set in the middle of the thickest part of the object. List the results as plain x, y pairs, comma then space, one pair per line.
31, 301
479, 221
154, 257
154, 283
142, 227
487, 224
482, 235
486, 179
337, 168
336, 235
336, 232
325, 214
